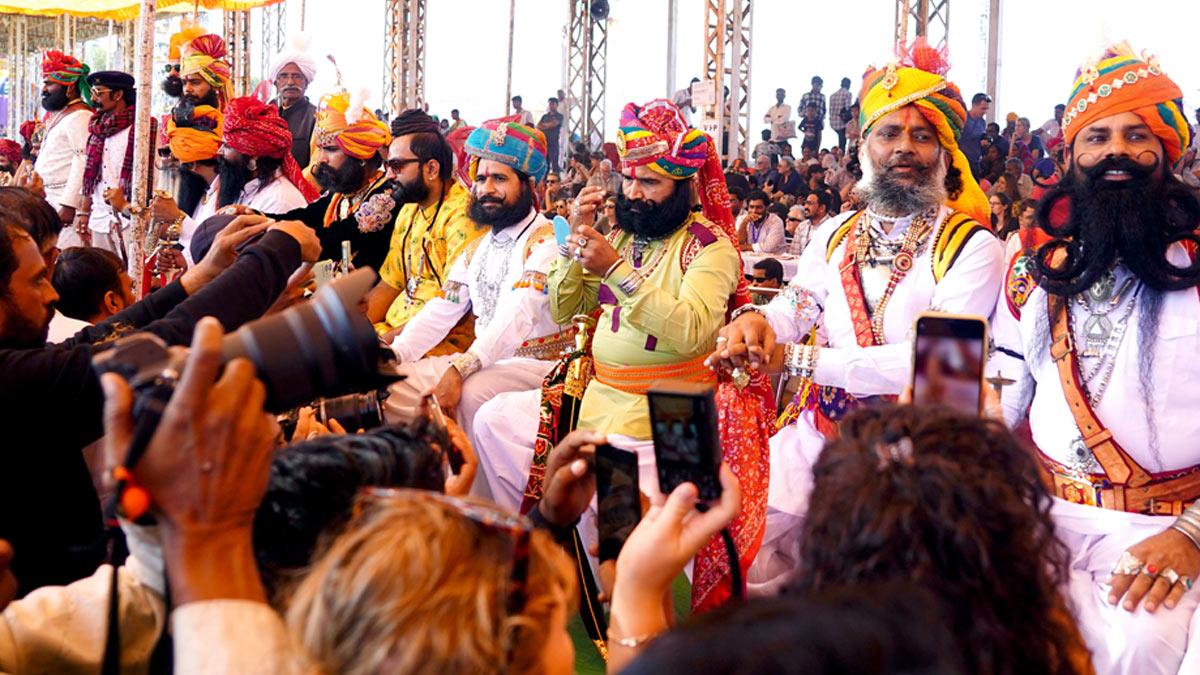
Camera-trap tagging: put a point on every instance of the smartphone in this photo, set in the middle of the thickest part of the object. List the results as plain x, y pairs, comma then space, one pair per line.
562, 230
949, 354
618, 499
442, 433
687, 444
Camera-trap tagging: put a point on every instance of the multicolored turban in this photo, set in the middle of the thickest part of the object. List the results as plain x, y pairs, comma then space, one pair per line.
10, 150
516, 145
656, 136
205, 56
67, 70
1119, 82
918, 78
255, 129
175, 46
350, 126
198, 140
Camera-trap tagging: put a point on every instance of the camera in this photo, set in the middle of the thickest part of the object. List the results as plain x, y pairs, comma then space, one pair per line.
321, 348
352, 411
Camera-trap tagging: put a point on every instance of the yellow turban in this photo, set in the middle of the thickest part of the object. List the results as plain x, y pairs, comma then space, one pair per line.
350, 126
178, 40
919, 79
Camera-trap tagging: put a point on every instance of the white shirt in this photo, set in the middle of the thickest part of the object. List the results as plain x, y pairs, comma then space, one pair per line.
779, 117
969, 287
525, 118
102, 216
1174, 396
278, 196
61, 159
515, 309
63, 328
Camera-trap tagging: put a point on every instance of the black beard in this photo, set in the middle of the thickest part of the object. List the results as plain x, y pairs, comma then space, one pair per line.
209, 99
502, 216
345, 179
56, 101
647, 220
1133, 221
19, 331
192, 188
233, 177
404, 193
172, 85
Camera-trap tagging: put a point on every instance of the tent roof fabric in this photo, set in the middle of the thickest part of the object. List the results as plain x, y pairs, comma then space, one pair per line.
117, 10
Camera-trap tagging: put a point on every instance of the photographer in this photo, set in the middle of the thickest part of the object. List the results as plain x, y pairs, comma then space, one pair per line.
51, 397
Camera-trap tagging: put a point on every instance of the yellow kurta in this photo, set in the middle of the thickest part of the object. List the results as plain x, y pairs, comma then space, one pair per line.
682, 311
422, 253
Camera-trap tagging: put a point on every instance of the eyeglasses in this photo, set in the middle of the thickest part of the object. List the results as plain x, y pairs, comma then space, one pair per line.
397, 165
518, 530
795, 220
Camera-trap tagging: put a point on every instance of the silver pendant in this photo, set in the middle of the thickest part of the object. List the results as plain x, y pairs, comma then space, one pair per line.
1096, 331
1082, 461
411, 288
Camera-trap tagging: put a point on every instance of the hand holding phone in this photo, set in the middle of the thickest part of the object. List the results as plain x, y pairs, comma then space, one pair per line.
687, 444
618, 499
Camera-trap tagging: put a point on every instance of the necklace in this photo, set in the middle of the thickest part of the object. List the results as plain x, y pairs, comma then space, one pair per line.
1102, 298
1096, 379
901, 262
489, 278
634, 252
411, 283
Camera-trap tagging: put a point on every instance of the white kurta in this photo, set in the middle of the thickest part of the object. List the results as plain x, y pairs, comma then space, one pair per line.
60, 161
506, 291
1121, 642
277, 196
969, 287
103, 218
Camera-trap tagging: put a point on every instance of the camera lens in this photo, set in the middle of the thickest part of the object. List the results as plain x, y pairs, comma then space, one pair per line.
353, 411
325, 347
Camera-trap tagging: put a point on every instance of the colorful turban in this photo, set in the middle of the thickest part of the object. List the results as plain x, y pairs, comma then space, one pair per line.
32, 131
197, 139
919, 78
1121, 81
10, 150
297, 54
178, 40
67, 70
521, 147
205, 56
255, 129
350, 126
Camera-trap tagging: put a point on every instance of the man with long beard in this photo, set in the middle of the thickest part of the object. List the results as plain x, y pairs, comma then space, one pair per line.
60, 160
1098, 327
356, 203
500, 279
919, 245
172, 83
431, 231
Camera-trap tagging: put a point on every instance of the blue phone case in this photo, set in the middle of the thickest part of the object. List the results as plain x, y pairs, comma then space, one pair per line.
562, 230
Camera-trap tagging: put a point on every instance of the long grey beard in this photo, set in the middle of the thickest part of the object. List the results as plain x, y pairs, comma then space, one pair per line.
884, 195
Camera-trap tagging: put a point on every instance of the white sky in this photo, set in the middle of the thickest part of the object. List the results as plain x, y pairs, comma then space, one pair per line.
1042, 43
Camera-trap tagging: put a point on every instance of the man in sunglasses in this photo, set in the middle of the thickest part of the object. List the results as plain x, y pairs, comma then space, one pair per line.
431, 230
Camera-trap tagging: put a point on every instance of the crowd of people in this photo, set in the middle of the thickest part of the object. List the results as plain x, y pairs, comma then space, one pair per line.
532, 293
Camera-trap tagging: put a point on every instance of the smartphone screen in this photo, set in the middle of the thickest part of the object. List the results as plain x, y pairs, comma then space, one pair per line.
442, 432
618, 499
948, 359
687, 445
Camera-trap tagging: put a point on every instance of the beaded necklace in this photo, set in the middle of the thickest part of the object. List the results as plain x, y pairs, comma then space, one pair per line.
901, 262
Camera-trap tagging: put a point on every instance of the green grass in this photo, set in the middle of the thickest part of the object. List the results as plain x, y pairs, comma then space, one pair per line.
587, 659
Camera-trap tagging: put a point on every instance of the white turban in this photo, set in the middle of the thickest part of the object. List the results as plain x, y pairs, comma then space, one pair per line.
296, 52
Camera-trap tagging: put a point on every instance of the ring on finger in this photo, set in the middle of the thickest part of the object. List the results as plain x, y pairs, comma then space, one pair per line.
1128, 563
1170, 575
582, 241
1151, 571
1186, 581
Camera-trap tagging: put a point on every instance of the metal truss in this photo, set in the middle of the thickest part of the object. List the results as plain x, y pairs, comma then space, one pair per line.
587, 74
274, 35
727, 56
404, 54
237, 42
928, 18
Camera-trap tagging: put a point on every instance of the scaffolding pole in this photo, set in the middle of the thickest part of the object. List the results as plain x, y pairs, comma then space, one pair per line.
587, 73
922, 18
404, 54
274, 35
727, 58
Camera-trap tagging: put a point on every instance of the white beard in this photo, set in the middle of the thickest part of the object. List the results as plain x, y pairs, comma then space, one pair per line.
884, 197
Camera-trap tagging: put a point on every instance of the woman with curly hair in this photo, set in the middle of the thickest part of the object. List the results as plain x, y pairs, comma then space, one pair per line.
955, 504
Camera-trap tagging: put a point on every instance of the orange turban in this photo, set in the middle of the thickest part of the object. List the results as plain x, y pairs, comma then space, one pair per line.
350, 126
197, 139
1119, 82
205, 56
178, 40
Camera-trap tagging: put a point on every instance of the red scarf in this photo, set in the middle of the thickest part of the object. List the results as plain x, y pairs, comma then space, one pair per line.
101, 127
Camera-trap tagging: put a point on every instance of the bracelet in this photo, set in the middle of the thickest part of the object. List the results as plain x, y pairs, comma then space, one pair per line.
632, 642
744, 309
631, 283
466, 364
1193, 537
564, 251
801, 360
611, 269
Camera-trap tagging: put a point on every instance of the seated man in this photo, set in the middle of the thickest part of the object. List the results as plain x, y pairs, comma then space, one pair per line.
500, 279
92, 284
760, 231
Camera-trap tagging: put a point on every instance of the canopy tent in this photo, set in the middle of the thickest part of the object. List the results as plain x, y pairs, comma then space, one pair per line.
118, 10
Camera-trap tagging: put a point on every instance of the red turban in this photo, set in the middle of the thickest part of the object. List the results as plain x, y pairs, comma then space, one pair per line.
10, 150
255, 129
28, 129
